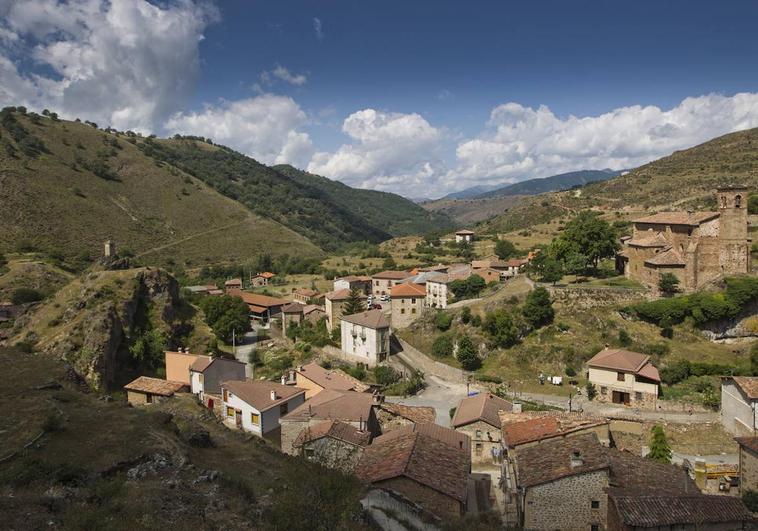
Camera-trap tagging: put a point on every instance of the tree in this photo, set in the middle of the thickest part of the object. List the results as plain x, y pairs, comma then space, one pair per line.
465, 315
624, 338
659, 446
25, 295
548, 268
467, 355
264, 263
752, 204
468, 288
590, 236
354, 303
385, 375
538, 309
443, 346
389, 263
443, 320
591, 391
3, 260
505, 249
465, 250
500, 327
226, 316
668, 284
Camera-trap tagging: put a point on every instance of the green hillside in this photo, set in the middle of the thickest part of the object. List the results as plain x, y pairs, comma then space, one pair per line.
65, 187
563, 181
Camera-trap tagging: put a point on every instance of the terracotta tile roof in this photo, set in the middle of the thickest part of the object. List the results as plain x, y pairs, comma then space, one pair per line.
154, 386
292, 307
257, 393
648, 239
371, 319
412, 413
348, 406
677, 218
696, 509
751, 443
265, 274
480, 264
748, 384
631, 471
484, 406
310, 308
551, 460
341, 295
392, 275
625, 361
256, 299
516, 262
334, 429
408, 290
419, 457
330, 378
454, 438
201, 363
669, 257
517, 433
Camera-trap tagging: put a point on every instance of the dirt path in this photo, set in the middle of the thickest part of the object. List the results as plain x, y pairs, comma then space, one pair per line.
187, 238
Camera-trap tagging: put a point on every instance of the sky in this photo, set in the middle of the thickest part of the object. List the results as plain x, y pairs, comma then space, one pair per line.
421, 98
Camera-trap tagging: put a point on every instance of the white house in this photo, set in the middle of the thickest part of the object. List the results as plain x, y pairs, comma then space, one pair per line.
256, 405
206, 374
624, 377
464, 236
436, 290
366, 337
739, 396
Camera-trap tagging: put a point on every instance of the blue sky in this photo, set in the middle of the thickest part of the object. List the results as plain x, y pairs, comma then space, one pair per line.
417, 97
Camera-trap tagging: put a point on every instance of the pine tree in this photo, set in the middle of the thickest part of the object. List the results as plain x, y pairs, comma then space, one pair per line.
538, 309
659, 446
354, 303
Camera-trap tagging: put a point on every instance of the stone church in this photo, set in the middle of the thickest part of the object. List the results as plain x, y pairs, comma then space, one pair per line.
697, 247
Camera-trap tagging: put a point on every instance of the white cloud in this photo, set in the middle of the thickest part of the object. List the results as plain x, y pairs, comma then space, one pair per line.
318, 28
283, 74
390, 151
124, 63
265, 127
521, 142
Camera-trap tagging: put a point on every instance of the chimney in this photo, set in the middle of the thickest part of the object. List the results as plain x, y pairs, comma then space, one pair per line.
517, 407
360, 423
284, 379
576, 459
273, 395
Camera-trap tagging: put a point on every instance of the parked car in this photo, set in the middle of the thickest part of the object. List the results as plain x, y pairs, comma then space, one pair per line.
375, 307
385, 298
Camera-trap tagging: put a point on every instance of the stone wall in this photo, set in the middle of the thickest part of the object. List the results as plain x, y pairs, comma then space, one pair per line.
392, 512
418, 360
428, 498
592, 297
567, 503
333, 453
483, 439
748, 469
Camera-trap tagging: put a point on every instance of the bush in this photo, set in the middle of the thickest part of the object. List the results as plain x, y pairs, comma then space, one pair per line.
489, 378
465, 313
25, 296
443, 320
750, 497
624, 338
591, 391
570, 371
358, 372
476, 320
501, 329
538, 310
468, 288
681, 370
443, 346
385, 375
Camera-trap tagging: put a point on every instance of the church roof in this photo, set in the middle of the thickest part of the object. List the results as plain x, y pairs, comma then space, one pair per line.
669, 257
678, 218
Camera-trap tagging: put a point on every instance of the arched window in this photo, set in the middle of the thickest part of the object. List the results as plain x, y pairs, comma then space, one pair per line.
737, 201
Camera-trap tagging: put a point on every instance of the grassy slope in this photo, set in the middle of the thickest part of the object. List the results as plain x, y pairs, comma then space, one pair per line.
28, 272
684, 179
469, 211
60, 207
72, 479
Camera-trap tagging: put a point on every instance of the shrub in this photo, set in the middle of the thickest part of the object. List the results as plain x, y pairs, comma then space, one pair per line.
591, 391
476, 320
465, 313
357, 371
489, 378
501, 329
443, 346
25, 295
570, 371
656, 349
467, 354
624, 338
750, 497
443, 320
385, 375
538, 310
668, 284
468, 288
659, 447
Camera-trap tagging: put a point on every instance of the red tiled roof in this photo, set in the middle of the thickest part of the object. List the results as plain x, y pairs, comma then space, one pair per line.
327, 378
292, 307
233, 282
421, 458
348, 406
530, 430
257, 393
265, 274
392, 275
751, 443
625, 361
647, 239
484, 406
677, 218
334, 429
464, 231
154, 386
412, 413
256, 299
454, 438
201, 363
551, 460
408, 290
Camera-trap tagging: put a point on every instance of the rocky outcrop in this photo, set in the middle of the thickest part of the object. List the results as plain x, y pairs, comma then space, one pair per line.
743, 327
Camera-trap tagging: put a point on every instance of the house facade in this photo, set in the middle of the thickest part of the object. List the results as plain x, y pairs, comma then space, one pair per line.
696, 247
464, 235
407, 302
232, 284
748, 456
262, 307
261, 279
314, 378
178, 364
478, 417
292, 314
363, 283
256, 406
306, 295
206, 375
381, 283
739, 396
436, 291
624, 377
366, 337
145, 390
334, 303
333, 444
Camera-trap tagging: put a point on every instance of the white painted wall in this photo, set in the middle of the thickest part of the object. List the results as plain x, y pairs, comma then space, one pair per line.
196, 383
269, 419
367, 349
607, 378
436, 294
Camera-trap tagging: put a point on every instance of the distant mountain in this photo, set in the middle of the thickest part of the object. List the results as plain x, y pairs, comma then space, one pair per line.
470, 193
556, 183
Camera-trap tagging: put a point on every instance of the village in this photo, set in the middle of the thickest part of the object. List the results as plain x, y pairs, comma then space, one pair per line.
450, 445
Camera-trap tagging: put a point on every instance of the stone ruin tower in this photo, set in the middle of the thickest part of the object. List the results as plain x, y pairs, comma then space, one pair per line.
109, 249
734, 244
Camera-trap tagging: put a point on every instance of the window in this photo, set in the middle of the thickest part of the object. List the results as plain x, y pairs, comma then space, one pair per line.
309, 453
737, 201
413, 310
402, 310
478, 448
284, 408
478, 434
149, 399
229, 411
595, 504
594, 527
603, 390
255, 419
620, 377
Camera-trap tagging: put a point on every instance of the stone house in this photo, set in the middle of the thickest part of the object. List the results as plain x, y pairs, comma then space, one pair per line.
233, 284
356, 409
292, 313
333, 444
407, 303
464, 235
261, 279
394, 416
696, 247
178, 365
545, 426
748, 463
313, 313
306, 295
739, 396
256, 406
206, 375
334, 303
360, 282
478, 417
624, 377
449, 436
421, 469
366, 337
381, 283
314, 378
145, 390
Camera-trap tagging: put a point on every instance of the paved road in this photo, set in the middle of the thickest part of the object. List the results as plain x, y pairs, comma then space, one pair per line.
439, 394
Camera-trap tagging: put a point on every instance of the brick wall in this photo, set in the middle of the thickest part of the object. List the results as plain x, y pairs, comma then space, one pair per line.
567, 503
